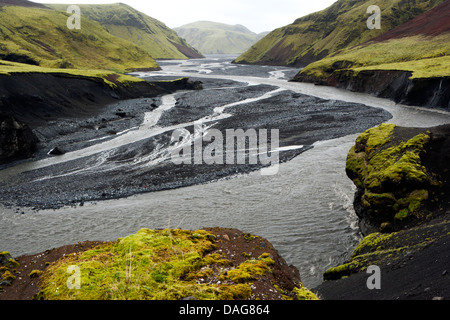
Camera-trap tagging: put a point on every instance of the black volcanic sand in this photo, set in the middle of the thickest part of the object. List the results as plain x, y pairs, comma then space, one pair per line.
74, 134
138, 168
420, 274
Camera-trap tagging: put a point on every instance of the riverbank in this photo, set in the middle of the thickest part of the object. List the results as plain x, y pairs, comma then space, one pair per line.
68, 110
407, 236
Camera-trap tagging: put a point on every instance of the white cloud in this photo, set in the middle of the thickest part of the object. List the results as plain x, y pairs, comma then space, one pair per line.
257, 15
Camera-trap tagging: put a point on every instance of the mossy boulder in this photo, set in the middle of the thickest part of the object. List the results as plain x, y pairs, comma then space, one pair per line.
389, 166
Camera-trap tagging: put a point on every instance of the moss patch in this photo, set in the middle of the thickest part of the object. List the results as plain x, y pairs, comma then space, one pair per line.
424, 56
391, 173
158, 265
382, 249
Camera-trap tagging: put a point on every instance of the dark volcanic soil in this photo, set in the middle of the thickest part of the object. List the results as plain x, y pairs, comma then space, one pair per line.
420, 275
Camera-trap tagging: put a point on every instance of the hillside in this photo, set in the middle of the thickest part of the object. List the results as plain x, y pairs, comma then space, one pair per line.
152, 35
218, 38
39, 36
410, 64
342, 25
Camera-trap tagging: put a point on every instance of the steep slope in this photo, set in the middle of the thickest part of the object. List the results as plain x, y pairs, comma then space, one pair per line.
23, 3
409, 64
342, 25
217, 38
40, 36
148, 33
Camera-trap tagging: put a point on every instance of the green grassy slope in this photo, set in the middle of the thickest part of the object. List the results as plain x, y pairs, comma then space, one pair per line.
218, 38
40, 36
342, 25
421, 46
148, 33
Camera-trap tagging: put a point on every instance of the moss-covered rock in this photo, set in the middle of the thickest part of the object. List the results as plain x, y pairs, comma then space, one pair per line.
170, 265
387, 165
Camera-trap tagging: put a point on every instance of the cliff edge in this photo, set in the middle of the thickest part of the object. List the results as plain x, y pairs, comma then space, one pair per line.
402, 201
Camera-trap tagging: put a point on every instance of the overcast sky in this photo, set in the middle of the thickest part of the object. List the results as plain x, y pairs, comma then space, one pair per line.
257, 15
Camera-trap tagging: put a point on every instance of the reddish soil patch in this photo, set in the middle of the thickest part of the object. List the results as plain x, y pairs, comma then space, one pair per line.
432, 23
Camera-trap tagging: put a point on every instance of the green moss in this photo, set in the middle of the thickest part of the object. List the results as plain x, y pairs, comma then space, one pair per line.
7, 275
248, 271
267, 258
356, 265
381, 249
416, 199
246, 255
304, 294
153, 265
391, 174
7, 261
402, 215
425, 57
250, 237
35, 274
235, 292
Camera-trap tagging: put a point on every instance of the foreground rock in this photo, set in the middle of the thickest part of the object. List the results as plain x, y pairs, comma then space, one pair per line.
402, 178
401, 175
17, 140
160, 265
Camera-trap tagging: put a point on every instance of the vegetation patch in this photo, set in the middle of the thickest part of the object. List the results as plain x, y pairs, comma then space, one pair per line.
41, 36
388, 249
423, 56
332, 32
158, 265
111, 78
395, 183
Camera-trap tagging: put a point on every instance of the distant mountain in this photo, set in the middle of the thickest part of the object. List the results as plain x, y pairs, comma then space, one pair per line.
218, 38
148, 33
340, 26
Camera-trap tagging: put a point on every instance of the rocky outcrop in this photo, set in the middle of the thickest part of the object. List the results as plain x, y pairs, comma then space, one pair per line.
390, 84
17, 140
402, 177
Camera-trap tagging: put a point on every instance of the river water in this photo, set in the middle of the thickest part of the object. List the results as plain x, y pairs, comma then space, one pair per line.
305, 210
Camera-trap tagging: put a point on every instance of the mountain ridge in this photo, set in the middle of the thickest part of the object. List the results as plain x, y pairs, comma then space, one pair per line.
218, 38
123, 21
342, 25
